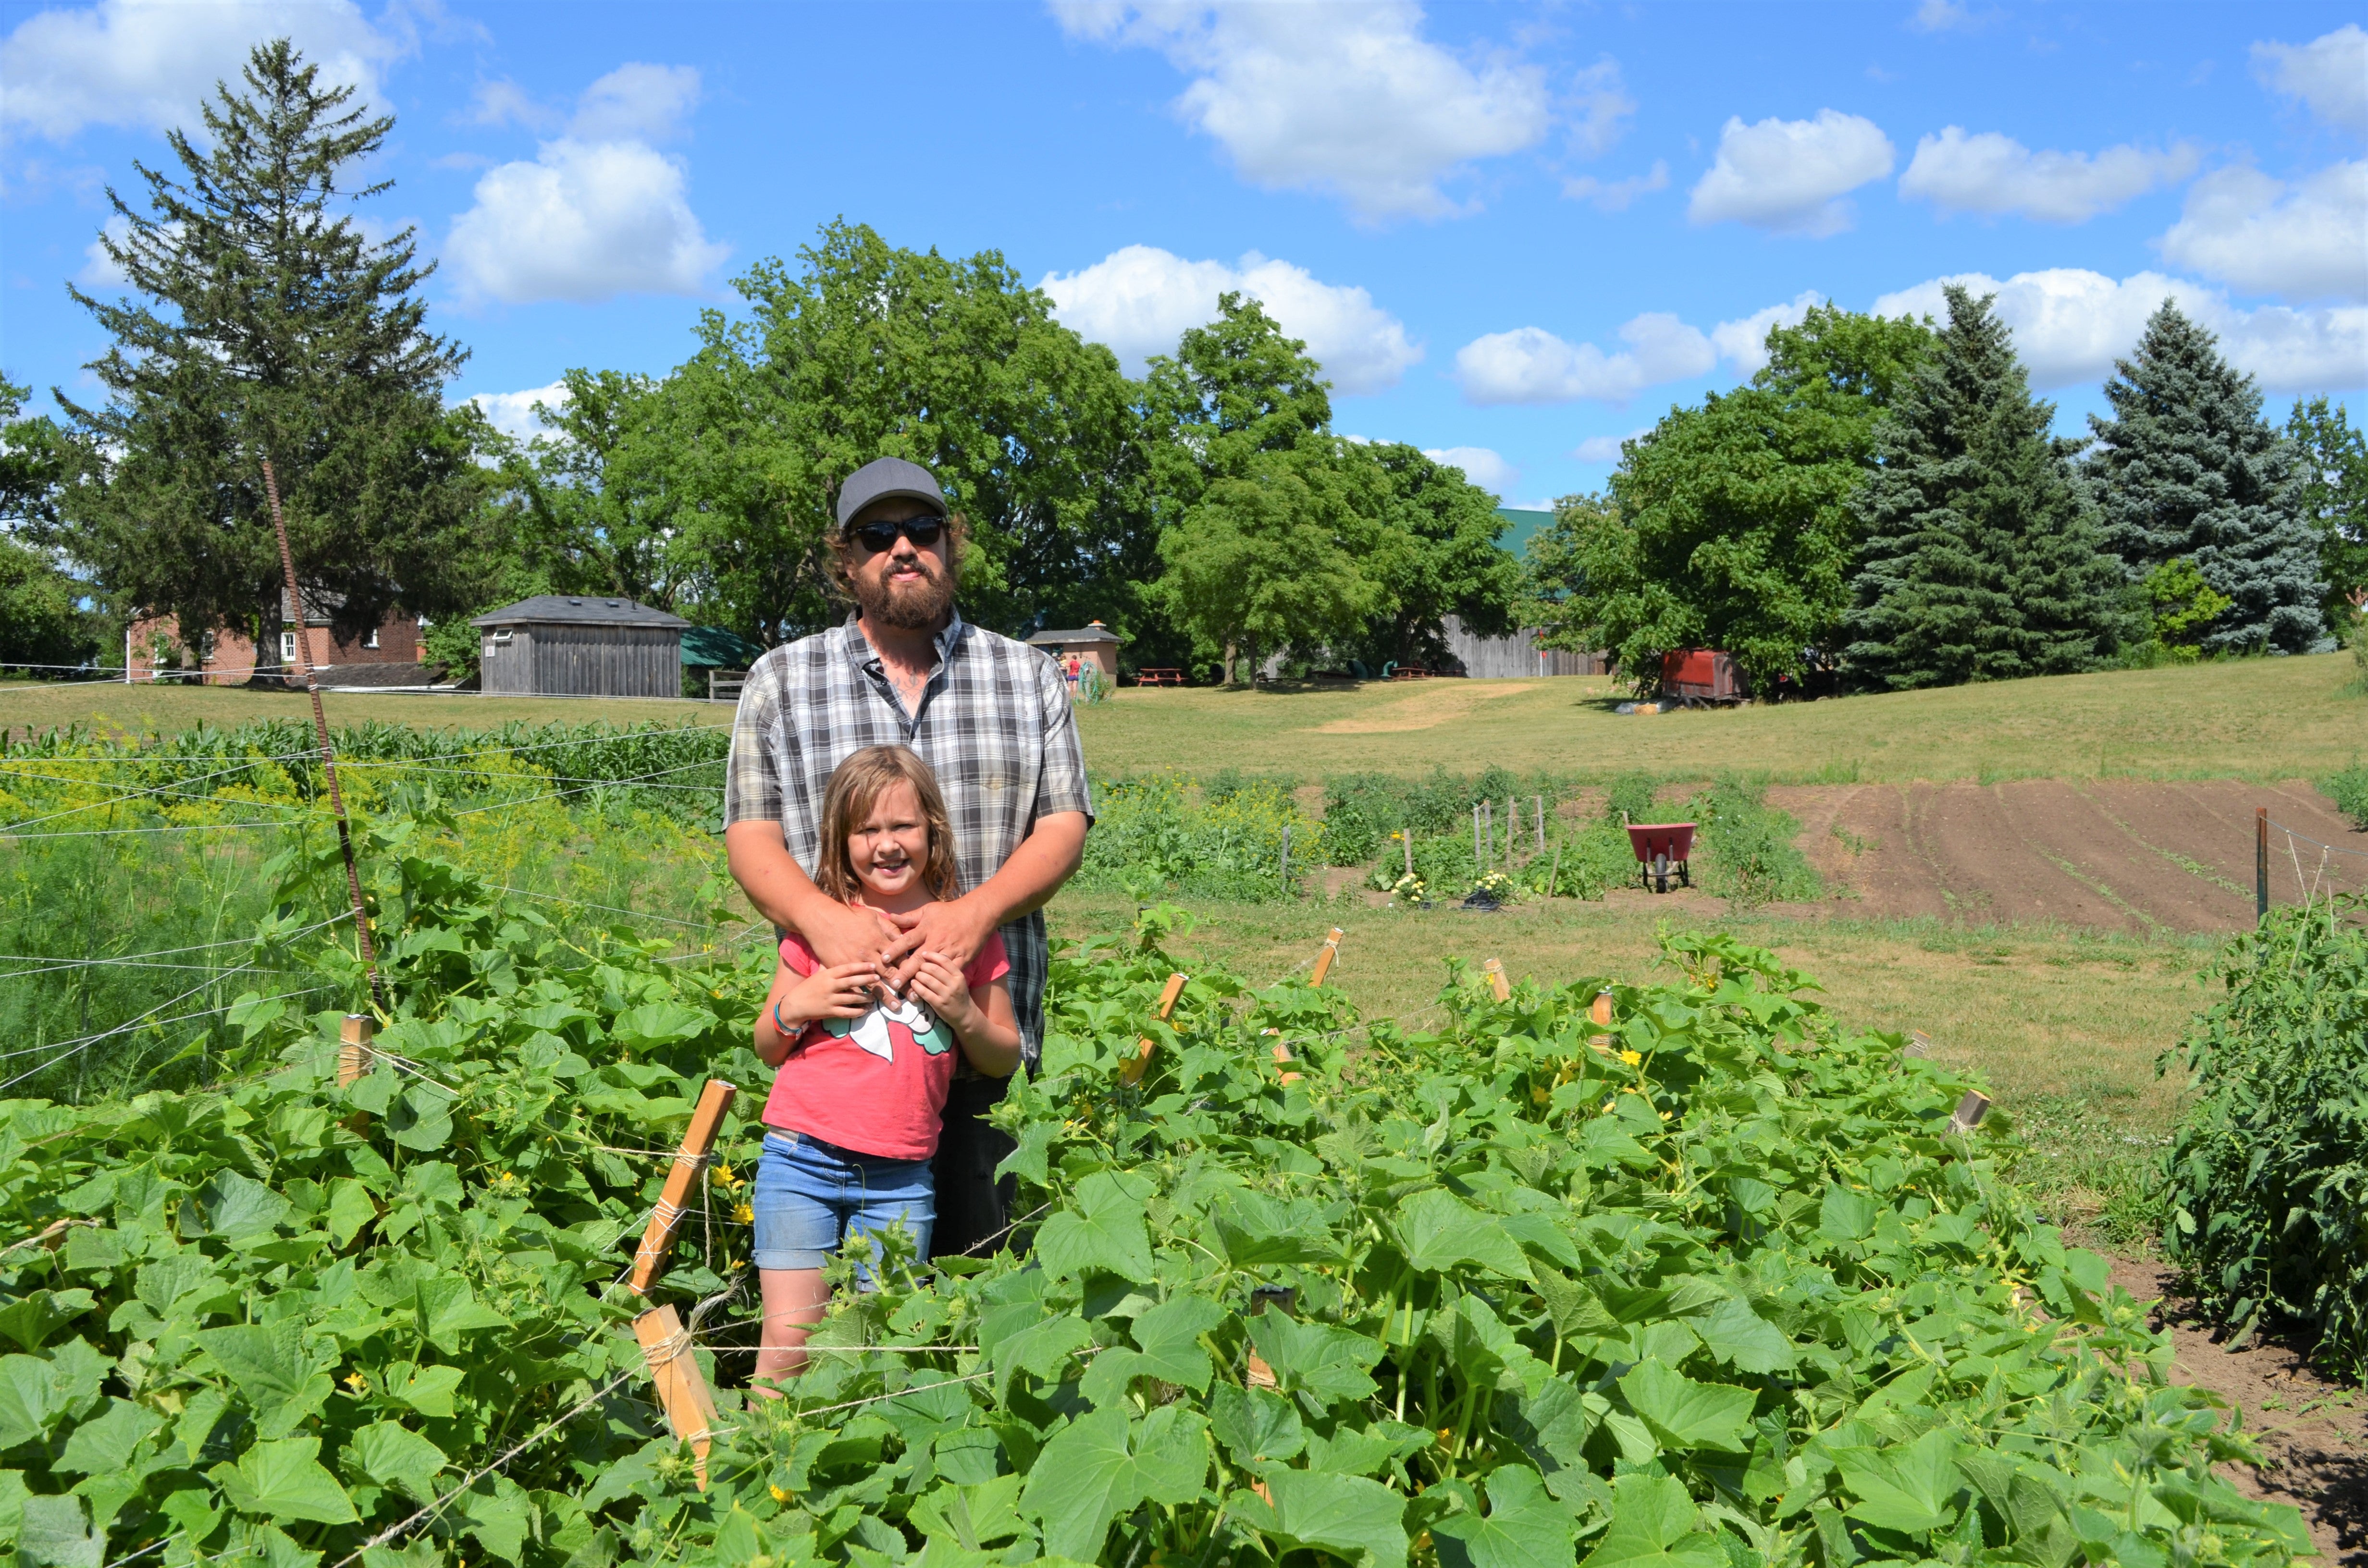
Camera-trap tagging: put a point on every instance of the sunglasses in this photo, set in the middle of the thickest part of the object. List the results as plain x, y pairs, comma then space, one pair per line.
877, 537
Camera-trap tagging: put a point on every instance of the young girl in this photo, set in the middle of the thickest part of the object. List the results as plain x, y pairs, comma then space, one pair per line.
855, 1110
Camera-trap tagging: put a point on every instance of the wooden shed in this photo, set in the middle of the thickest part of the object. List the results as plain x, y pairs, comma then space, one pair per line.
1093, 642
563, 645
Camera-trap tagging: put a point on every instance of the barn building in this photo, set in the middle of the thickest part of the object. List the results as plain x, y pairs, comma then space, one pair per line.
1093, 642
569, 645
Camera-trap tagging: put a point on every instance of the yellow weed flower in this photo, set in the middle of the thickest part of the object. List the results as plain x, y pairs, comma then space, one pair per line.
1631, 1057
744, 1213
780, 1495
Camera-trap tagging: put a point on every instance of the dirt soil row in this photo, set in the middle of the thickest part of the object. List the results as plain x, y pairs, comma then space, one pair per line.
2116, 855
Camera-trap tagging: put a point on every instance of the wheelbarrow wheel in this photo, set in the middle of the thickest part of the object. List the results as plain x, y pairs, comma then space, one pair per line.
1660, 873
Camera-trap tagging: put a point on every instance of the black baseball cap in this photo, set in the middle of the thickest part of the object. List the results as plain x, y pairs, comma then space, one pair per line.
884, 479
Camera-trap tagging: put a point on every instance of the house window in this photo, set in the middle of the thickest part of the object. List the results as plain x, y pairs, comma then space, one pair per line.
206, 648
287, 647
370, 641
502, 637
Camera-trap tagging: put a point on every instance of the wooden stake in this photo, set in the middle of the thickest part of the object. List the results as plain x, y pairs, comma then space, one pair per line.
1512, 827
1132, 1072
1282, 1057
2260, 864
690, 1160
1541, 805
1600, 1011
681, 1386
1324, 959
1498, 986
1918, 1043
1970, 1111
1554, 874
1408, 836
354, 1054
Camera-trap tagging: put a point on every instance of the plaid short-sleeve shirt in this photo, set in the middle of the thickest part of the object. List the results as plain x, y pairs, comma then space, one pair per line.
994, 724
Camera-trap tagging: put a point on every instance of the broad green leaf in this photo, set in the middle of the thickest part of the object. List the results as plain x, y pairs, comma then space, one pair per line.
659, 1023
1438, 1231
284, 1480
421, 1118
1039, 1350
55, 1532
1169, 1337
975, 1518
1684, 1414
1257, 1229
1653, 1523
1525, 1529
1346, 1516
427, 1390
500, 1514
1099, 1466
1330, 1362
272, 1372
29, 1400
1576, 1311
32, 1318
108, 1442
1846, 1216
1743, 1339
1551, 1425
392, 1455
1256, 1426
241, 1210
1105, 1233
349, 1210
448, 1308
1908, 1488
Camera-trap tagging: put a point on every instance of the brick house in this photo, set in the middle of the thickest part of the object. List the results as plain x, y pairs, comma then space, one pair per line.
227, 658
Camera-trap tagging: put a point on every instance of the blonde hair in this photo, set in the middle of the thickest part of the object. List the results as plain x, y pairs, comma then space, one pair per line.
855, 788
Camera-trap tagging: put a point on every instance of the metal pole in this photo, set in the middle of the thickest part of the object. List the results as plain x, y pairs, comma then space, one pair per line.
1541, 803
1478, 865
2260, 864
1408, 836
328, 753
1286, 859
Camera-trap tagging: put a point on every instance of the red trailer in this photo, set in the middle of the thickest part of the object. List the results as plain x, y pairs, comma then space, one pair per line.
1693, 676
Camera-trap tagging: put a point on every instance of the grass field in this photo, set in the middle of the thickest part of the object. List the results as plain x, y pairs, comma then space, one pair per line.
2251, 719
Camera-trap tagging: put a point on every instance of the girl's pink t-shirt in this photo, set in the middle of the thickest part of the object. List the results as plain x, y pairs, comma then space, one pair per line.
876, 1085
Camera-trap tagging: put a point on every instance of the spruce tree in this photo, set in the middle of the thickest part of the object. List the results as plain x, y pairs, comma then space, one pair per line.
259, 323
2188, 468
1982, 561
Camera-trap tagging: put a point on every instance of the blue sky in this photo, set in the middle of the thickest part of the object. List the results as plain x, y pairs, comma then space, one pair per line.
1514, 232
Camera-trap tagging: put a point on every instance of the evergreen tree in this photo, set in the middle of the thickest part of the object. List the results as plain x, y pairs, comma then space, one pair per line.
260, 323
1982, 561
2334, 496
2188, 467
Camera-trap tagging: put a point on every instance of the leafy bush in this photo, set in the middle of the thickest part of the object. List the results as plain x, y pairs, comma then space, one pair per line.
2349, 790
2265, 1177
1155, 834
1744, 846
1723, 1289
1593, 860
1630, 799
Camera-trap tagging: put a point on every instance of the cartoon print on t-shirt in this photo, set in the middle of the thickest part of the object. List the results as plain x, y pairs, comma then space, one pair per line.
871, 1031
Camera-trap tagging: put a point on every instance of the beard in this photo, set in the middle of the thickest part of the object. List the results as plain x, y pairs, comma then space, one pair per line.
909, 606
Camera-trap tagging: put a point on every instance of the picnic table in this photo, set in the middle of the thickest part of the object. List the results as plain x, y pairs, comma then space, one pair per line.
1159, 678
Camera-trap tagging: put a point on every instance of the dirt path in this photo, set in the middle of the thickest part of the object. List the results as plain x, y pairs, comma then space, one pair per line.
2138, 857
2311, 1431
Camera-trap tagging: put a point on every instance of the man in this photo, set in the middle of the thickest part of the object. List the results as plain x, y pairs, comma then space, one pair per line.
989, 714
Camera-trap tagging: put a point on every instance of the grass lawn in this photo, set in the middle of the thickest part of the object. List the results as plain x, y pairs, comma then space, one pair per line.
30, 706
2252, 718
2065, 1025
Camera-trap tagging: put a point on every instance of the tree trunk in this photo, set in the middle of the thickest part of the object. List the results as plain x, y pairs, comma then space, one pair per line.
268, 672
1230, 646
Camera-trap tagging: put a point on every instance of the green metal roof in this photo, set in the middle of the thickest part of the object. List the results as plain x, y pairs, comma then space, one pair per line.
713, 648
1519, 526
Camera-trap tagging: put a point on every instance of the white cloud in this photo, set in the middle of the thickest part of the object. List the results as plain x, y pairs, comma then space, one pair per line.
1603, 108
636, 102
1531, 364
584, 220
1940, 17
2069, 325
1139, 301
1604, 448
513, 413
2306, 240
2329, 73
98, 269
1990, 173
1480, 465
504, 102
150, 62
1617, 196
1351, 101
1744, 344
1790, 175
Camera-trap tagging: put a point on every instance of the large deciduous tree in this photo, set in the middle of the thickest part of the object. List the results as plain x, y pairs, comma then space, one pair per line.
1435, 555
1981, 560
42, 621
1729, 525
260, 323
2188, 468
2333, 495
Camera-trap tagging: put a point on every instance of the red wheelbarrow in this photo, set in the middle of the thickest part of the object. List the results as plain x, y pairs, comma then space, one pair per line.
1662, 848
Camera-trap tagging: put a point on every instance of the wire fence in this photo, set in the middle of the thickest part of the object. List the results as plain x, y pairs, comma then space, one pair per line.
2320, 872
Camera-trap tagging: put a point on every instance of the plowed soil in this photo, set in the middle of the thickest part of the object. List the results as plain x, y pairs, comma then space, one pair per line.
2115, 855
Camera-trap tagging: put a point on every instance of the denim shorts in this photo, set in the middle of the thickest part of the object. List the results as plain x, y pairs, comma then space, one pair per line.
812, 1195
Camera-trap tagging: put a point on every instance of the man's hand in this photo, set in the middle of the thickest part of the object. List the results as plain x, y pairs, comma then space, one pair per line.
841, 935
956, 931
